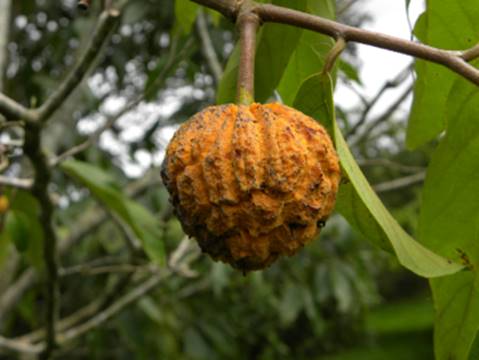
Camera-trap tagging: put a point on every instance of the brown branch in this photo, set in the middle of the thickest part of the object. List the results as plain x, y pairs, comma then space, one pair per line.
454, 60
106, 23
34, 152
248, 24
12, 110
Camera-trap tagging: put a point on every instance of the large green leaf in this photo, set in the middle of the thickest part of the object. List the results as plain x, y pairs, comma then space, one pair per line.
449, 221
143, 224
448, 24
23, 226
17, 225
309, 56
361, 206
457, 315
276, 43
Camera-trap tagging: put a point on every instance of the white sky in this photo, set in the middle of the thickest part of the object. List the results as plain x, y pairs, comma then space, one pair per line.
378, 66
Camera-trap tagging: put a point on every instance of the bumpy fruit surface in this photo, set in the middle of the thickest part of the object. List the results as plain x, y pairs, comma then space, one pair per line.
251, 183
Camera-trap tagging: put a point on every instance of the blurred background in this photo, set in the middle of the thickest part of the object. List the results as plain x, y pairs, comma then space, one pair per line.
339, 298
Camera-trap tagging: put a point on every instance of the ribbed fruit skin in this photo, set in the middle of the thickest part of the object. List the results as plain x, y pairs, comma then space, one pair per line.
251, 183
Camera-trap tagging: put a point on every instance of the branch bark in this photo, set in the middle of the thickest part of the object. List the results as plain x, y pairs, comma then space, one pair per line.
5, 16
34, 152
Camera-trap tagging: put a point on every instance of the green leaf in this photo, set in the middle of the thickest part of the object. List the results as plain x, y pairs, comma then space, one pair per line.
143, 224
457, 315
272, 57
309, 56
410, 253
349, 71
25, 232
185, 12
447, 24
17, 226
449, 221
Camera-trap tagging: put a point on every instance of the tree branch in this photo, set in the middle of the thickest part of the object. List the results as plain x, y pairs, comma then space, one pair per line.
15, 111
400, 182
106, 22
34, 152
454, 60
369, 105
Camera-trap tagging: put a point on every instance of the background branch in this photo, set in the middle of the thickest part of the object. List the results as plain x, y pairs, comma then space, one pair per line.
5, 17
106, 23
207, 47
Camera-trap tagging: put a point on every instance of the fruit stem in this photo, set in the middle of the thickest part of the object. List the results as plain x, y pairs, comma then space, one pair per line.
248, 23
334, 54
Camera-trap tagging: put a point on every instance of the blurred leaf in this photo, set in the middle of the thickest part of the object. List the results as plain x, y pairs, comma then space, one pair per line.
448, 222
143, 224
185, 13
410, 253
457, 315
291, 304
341, 285
18, 229
349, 71
272, 57
434, 82
134, 13
404, 317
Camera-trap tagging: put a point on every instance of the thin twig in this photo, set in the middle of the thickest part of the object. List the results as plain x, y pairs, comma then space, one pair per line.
383, 117
16, 183
106, 23
173, 60
368, 107
400, 183
11, 124
389, 164
178, 262
207, 47
19, 346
